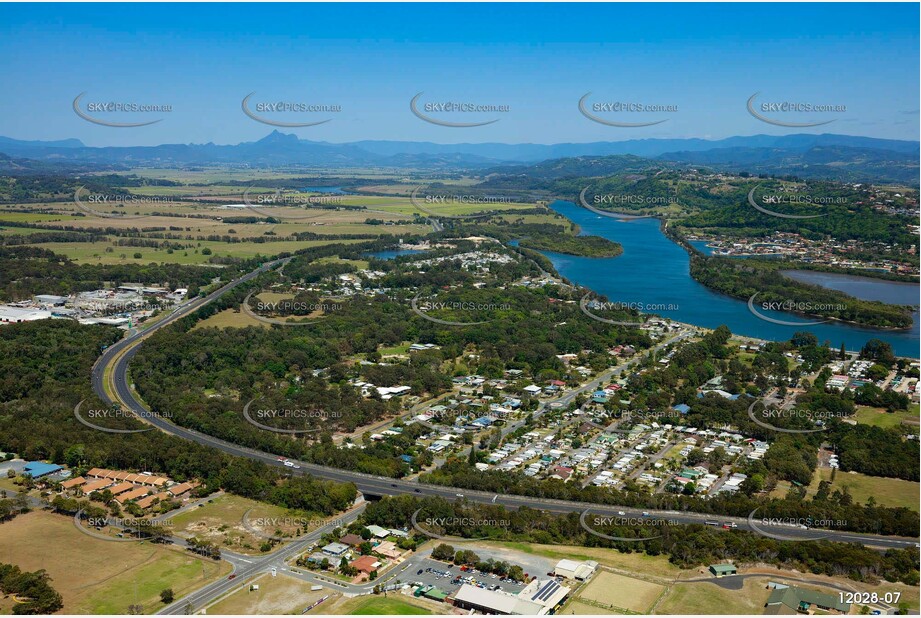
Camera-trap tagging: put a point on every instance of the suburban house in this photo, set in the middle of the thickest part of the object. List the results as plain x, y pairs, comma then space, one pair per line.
352, 539
366, 564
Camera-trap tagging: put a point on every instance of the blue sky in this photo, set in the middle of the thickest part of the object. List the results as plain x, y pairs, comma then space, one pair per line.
538, 59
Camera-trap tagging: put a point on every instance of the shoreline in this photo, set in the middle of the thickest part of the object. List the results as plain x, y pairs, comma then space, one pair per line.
692, 251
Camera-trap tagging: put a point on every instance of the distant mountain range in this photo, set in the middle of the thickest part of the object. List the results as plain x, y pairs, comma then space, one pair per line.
840, 157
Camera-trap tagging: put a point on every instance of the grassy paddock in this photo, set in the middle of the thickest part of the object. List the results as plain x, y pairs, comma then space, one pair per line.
886, 491
102, 577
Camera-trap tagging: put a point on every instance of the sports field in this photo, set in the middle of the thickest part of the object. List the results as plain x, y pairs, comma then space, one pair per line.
618, 592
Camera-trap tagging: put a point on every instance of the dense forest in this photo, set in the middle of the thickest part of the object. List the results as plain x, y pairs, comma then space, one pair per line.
45, 371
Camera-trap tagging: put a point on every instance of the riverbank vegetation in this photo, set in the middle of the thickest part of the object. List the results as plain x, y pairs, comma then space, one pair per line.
746, 278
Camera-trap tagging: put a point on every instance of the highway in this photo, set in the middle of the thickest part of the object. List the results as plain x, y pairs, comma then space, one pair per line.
117, 357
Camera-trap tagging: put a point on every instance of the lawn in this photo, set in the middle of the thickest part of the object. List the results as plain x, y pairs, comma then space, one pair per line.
370, 605
230, 318
880, 418
709, 599
396, 350
102, 577
886, 491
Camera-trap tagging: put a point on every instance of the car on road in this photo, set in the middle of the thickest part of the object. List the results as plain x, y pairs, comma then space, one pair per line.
232, 576
418, 491
459, 495
621, 513
290, 464
646, 514
730, 524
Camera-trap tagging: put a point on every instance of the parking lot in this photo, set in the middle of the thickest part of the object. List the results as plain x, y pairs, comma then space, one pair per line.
449, 583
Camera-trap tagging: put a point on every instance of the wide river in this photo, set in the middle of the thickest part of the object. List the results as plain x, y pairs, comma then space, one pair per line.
653, 273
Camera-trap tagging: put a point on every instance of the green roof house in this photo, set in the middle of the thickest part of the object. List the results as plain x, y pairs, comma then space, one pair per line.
783, 600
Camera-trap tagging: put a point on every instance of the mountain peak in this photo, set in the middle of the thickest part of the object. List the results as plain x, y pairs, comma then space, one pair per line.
277, 137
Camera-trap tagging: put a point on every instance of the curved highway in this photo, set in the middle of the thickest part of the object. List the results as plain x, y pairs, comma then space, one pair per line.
117, 357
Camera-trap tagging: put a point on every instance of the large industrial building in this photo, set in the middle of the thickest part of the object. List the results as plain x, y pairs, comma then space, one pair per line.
15, 315
538, 598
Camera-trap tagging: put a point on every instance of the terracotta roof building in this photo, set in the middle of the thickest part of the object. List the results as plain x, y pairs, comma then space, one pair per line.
366, 564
